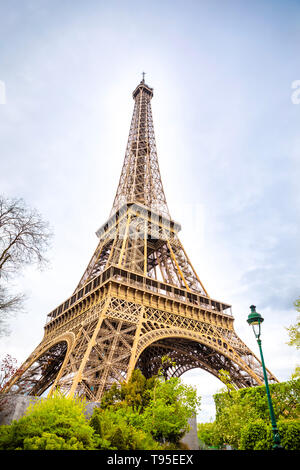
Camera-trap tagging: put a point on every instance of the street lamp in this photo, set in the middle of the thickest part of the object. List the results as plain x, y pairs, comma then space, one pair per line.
255, 320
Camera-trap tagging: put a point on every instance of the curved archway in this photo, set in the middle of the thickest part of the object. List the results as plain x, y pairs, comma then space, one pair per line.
37, 375
190, 351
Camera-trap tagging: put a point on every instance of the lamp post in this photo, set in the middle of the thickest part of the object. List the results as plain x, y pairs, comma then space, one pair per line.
255, 319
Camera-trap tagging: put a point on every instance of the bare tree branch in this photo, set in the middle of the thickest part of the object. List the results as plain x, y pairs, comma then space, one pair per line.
24, 239
24, 236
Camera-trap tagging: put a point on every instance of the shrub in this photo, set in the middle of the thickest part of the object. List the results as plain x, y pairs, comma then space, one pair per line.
289, 431
158, 409
171, 405
56, 422
48, 441
141, 414
258, 435
207, 433
115, 427
230, 421
135, 393
240, 414
285, 399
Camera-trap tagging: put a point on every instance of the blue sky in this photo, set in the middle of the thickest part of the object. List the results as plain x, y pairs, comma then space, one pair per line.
227, 137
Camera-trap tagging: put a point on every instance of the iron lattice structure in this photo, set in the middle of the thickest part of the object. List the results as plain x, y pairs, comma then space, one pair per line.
139, 298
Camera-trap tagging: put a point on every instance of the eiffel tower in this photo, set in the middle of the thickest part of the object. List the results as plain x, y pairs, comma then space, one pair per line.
139, 298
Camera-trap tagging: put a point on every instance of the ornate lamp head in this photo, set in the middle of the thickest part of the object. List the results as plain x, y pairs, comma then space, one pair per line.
255, 319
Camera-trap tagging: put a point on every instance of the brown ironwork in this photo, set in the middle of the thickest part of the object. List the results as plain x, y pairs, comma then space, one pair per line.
139, 298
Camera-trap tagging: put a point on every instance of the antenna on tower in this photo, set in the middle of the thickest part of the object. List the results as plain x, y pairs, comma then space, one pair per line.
143, 73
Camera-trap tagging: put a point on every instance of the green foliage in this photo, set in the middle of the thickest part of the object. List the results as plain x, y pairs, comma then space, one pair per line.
289, 431
207, 433
171, 405
294, 330
285, 399
257, 435
294, 333
135, 393
158, 408
296, 373
56, 422
48, 441
230, 421
146, 414
121, 428
243, 419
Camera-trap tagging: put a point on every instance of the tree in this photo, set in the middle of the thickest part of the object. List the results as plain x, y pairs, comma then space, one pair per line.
294, 330
8, 367
24, 238
54, 423
171, 405
207, 434
135, 393
135, 417
294, 335
121, 428
143, 413
237, 411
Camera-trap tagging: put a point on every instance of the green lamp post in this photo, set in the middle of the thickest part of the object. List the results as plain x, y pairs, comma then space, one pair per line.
255, 320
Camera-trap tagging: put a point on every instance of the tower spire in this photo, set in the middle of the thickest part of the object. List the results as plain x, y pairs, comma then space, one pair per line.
140, 179
143, 238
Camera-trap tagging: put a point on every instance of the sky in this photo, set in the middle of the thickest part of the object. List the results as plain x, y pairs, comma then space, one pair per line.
226, 112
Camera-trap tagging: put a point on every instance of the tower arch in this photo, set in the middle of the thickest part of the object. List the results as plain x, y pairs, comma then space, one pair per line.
42, 368
190, 350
